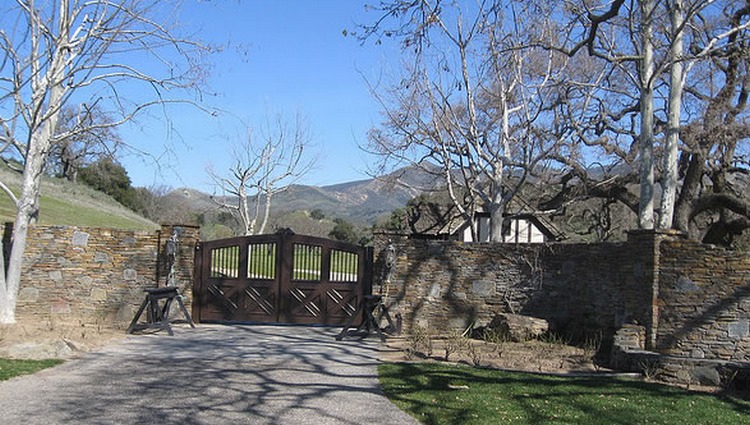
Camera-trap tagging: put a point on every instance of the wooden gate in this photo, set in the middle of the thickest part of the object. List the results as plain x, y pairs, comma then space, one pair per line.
280, 278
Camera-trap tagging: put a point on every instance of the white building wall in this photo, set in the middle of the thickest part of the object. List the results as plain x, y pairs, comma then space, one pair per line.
521, 231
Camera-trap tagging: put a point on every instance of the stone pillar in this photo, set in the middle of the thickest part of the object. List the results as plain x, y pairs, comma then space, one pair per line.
183, 240
644, 276
385, 278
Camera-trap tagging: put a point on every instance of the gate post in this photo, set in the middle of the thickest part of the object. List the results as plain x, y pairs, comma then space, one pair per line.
198, 296
367, 279
284, 268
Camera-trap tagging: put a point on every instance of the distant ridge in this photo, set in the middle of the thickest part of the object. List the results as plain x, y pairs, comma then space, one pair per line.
361, 201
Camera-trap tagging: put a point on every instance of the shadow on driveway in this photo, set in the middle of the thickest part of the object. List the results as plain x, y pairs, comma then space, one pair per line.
210, 375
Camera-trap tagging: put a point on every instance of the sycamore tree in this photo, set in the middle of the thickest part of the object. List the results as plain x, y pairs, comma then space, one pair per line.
94, 53
669, 113
262, 166
476, 105
647, 106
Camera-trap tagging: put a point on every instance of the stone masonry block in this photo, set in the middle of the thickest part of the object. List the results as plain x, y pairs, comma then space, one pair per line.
80, 238
483, 288
739, 329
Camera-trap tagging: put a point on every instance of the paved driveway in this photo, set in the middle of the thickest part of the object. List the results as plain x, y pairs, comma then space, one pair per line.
210, 375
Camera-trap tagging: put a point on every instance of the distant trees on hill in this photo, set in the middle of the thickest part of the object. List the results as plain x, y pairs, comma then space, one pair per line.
344, 230
108, 176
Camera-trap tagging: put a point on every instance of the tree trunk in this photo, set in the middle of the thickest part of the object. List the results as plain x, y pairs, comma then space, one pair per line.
496, 223
646, 208
497, 206
669, 177
244, 211
27, 212
690, 189
266, 211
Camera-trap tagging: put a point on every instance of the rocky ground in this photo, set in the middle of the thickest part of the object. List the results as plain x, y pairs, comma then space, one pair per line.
46, 340
532, 356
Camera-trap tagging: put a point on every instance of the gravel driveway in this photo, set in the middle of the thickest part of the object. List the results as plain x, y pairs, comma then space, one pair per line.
210, 375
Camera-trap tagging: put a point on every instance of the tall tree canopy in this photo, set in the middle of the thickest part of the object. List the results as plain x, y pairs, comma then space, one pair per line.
638, 102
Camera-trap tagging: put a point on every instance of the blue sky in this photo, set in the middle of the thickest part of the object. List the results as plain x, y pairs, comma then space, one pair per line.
282, 56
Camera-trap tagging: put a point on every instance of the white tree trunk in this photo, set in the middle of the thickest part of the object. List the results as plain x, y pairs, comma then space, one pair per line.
669, 177
496, 223
497, 201
248, 222
27, 212
48, 94
266, 211
646, 150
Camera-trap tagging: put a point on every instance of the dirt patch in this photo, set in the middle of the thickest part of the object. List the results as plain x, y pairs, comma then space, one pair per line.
531, 356
61, 341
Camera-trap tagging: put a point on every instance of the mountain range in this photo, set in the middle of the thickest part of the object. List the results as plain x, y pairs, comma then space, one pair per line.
361, 202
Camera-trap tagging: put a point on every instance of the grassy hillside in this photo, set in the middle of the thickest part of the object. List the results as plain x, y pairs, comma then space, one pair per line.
66, 203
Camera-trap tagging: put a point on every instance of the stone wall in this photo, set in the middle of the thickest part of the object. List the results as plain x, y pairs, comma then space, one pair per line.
690, 299
77, 275
581, 289
448, 284
704, 301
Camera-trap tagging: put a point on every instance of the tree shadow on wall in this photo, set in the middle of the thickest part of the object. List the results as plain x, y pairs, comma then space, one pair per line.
706, 317
443, 289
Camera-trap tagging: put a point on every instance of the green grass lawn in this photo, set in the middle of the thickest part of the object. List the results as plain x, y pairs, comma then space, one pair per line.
449, 394
10, 368
68, 204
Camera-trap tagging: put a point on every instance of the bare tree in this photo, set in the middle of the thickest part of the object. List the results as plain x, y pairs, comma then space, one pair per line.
696, 96
87, 137
632, 113
263, 168
476, 108
58, 52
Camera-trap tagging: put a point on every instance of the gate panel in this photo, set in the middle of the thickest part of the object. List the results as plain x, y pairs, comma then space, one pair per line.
325, 288
281, 278
239, 283
261, 291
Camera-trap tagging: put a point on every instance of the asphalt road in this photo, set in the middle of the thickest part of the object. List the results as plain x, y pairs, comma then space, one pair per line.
210, 375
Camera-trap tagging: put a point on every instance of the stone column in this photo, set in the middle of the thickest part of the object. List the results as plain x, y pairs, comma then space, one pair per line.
183, 239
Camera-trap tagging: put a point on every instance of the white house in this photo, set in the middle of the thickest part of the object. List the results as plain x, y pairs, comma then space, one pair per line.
517, 228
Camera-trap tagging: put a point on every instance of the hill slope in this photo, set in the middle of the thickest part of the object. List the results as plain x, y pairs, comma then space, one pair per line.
71, 204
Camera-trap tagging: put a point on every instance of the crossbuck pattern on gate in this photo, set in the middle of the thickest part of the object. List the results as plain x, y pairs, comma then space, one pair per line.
280, 278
